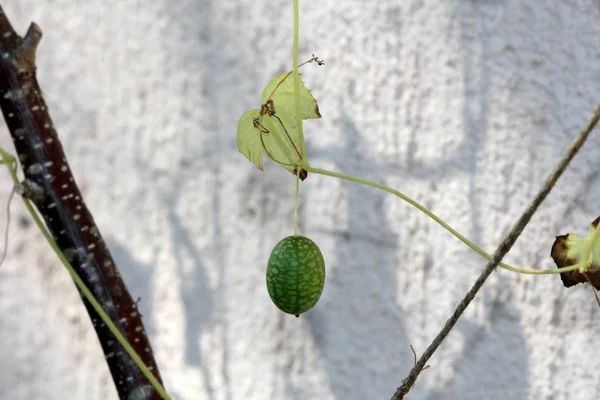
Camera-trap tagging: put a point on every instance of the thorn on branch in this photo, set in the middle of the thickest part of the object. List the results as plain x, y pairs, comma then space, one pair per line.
415, 358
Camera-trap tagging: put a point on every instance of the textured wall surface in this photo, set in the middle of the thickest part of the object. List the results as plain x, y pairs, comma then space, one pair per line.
465, 105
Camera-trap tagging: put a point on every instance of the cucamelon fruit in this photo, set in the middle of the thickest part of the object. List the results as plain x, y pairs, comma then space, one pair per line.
295, 274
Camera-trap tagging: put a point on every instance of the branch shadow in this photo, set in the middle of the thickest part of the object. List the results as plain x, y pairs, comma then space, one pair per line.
361, 311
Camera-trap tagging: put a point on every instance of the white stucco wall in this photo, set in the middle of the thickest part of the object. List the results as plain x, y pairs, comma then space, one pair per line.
464, 105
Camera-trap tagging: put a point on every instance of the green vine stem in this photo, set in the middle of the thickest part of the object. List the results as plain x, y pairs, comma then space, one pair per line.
297, 82
9, 161
304, 164
297, 201
441, 222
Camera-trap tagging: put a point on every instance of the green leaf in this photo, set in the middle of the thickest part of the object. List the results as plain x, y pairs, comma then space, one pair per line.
272, 129
248, 138
281, 91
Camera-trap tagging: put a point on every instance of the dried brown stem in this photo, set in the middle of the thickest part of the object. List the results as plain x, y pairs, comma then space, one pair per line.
500, 252
51, 186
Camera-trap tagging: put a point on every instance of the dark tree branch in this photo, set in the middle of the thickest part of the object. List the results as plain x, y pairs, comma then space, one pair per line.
500, 252
50, 185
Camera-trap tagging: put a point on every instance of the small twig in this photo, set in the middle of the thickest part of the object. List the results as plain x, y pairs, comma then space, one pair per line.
4, 251
500, 252
12, 163
415, 356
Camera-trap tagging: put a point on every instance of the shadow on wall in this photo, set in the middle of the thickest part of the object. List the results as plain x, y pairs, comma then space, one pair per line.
196, 296
356, 339
203, 55
363, 288
137, 276
193, 289
494, 361
364, 291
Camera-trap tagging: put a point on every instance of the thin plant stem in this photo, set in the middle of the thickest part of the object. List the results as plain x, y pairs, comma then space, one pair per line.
10, 161
7, 230
440, 221
504, 247
297, 81
297, 202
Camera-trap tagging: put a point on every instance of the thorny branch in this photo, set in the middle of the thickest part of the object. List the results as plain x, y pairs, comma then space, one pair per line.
500, 252
50, 185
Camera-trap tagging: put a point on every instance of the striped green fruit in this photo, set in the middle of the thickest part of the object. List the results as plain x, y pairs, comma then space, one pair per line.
295, 274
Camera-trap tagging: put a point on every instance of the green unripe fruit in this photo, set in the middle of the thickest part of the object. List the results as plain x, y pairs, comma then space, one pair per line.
295, 274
